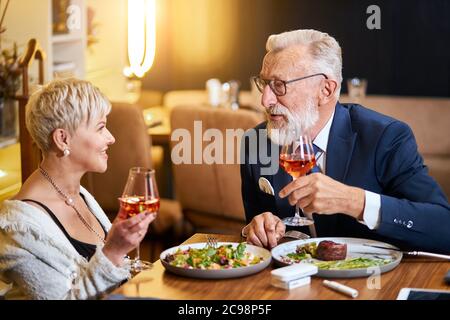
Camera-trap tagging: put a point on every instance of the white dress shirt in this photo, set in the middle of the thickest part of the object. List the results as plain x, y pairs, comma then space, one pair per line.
371, 216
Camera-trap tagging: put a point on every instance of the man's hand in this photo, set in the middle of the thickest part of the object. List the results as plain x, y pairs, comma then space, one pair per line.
265, 230
318, 193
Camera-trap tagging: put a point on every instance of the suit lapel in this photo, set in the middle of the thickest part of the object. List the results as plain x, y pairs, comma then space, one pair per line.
340, 144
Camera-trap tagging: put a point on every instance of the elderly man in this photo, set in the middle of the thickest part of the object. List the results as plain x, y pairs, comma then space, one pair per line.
372, 181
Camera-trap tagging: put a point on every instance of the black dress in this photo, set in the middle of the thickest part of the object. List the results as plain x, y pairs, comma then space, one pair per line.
86, 250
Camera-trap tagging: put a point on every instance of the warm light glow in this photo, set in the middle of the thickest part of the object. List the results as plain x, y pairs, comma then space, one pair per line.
204, 35
141, 36
3, 174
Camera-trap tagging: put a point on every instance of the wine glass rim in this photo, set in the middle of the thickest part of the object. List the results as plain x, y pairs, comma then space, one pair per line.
142, 170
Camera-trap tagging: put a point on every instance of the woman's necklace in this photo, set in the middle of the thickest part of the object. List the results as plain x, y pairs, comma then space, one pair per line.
69, 201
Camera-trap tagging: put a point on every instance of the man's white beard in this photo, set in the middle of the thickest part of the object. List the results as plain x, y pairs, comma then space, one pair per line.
301, 121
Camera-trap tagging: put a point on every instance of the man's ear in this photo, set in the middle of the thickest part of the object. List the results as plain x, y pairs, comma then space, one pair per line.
328, 89
61, 138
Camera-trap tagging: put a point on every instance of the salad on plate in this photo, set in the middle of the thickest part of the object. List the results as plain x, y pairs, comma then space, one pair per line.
224, 256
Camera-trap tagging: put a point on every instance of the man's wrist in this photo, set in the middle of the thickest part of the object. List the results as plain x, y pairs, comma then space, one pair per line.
356, 202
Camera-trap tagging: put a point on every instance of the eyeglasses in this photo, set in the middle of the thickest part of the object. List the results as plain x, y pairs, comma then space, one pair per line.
278, 87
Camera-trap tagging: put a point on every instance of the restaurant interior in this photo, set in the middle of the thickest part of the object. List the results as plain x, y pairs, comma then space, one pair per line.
166, 64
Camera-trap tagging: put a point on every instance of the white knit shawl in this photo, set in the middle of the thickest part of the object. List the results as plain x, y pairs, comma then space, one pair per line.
39, 262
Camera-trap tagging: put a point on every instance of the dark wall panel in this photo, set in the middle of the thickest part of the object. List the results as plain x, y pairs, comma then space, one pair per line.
410, 55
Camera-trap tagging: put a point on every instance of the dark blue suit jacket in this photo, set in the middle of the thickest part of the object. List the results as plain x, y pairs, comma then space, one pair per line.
376, 153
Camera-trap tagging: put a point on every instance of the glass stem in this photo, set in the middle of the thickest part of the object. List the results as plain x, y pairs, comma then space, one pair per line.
297, 211
138, 255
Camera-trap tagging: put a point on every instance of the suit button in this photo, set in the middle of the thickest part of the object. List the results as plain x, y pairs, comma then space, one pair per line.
410, 224
395, 221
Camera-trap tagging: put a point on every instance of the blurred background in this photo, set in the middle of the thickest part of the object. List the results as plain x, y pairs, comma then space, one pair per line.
200, 39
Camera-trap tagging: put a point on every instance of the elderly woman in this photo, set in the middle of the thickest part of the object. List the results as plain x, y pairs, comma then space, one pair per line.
55, 240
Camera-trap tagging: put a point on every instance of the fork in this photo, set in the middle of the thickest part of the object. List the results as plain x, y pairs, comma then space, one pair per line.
211, 241
296, 235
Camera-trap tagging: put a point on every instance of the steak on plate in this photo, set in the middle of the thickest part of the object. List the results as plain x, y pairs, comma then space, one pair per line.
329, 251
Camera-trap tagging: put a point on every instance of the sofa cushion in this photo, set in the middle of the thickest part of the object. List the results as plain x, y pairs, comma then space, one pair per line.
427, 117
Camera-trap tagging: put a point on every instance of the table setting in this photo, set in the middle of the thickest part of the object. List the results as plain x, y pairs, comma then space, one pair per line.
249, 282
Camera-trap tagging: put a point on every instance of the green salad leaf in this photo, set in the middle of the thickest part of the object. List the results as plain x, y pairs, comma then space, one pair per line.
240, 251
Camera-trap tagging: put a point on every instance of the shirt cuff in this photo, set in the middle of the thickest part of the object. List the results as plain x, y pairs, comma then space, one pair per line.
371, 215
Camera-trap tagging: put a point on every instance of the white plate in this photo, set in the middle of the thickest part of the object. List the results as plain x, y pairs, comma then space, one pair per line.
355, 248
222, 273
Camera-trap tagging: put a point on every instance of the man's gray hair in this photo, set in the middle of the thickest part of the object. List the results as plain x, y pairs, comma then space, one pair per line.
63, 104
324, 49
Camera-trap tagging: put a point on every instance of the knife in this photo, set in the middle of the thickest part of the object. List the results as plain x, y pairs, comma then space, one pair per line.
413, 253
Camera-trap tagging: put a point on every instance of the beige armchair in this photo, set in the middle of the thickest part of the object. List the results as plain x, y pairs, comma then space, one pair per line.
210, 194
132, 148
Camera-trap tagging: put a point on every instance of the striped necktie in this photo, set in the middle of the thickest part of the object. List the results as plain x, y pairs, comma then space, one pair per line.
317, 153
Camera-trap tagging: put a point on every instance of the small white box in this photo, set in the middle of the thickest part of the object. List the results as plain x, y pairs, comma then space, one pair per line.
291, 284
295, 271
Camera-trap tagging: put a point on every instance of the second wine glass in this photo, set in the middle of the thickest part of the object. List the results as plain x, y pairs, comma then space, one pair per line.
297, 159
140, 195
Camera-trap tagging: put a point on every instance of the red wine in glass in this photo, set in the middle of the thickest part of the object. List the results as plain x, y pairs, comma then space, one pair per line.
297, 159
139, 196
136, 205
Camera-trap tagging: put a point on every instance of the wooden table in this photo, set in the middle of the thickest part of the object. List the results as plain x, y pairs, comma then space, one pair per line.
157, 283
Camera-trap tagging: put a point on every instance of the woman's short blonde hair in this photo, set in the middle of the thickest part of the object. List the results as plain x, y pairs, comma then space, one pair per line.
63, 104
324, 49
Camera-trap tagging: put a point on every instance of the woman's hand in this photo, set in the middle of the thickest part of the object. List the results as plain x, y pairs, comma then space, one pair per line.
125, 235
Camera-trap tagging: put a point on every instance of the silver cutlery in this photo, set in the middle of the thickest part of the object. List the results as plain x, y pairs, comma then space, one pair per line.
211, 241
296, 235
412, 253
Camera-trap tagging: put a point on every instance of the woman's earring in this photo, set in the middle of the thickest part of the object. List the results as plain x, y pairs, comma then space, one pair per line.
66, 152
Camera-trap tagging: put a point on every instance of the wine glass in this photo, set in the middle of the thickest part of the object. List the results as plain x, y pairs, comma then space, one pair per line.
297, 159
139, 196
